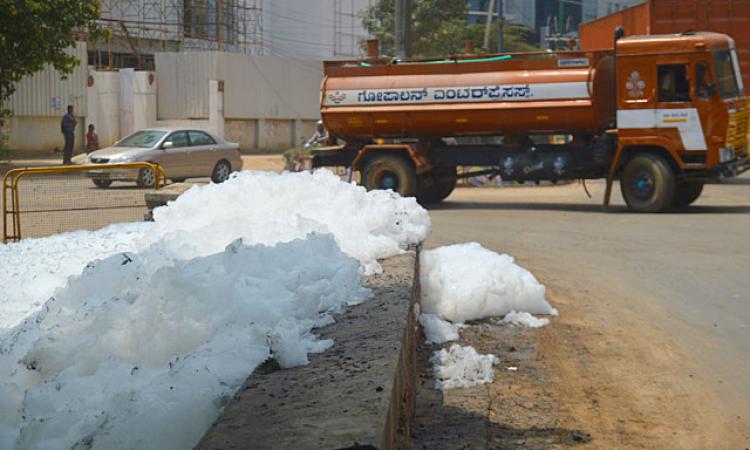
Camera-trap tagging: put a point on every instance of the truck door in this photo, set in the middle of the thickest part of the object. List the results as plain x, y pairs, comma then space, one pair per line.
702, 94
676, 115
636, 93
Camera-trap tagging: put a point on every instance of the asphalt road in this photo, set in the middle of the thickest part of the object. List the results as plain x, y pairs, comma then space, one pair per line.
683, 275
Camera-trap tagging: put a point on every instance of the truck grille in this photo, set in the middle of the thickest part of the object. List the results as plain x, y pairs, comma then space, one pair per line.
737, 130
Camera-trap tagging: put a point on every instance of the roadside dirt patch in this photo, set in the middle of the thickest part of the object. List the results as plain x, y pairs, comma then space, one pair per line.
595, 378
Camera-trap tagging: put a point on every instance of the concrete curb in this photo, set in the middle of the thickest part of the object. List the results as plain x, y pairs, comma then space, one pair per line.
357, 395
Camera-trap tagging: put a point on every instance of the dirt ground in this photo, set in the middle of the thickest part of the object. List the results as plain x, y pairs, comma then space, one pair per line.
574, 383
650, 350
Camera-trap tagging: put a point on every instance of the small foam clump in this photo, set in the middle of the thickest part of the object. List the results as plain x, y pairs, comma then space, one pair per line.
524, 319
468, 282
462, 367
436, 330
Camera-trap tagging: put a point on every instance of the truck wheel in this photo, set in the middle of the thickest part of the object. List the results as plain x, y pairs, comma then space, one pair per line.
442, 181
686, 193
390, 172
647, 183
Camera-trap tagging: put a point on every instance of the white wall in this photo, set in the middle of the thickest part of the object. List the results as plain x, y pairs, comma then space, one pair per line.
215, 121
256, 87
103, 99
313, 29
45, 93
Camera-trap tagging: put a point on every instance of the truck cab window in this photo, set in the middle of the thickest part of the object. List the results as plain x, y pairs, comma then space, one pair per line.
673, 83
702, 81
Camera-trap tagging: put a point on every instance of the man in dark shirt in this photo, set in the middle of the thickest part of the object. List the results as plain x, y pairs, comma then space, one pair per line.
68, 128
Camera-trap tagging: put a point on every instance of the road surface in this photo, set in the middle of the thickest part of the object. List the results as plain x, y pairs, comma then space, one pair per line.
652, 347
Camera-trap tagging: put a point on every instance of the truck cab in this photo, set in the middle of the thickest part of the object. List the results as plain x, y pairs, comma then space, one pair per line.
680, 97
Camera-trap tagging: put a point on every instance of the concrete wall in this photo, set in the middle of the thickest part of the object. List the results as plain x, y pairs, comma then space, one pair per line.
35, 135
268, 135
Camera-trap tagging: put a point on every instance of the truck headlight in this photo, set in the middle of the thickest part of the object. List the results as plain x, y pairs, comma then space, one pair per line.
726, 154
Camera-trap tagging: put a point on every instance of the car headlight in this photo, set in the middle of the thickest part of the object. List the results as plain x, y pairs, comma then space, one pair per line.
122, 159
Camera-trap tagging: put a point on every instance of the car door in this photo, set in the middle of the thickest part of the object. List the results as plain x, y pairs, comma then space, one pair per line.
203, 153
175, 157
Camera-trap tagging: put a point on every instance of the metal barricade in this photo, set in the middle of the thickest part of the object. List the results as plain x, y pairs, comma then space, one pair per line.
57, 199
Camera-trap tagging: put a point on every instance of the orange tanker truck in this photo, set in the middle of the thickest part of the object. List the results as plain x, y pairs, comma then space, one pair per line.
664, 114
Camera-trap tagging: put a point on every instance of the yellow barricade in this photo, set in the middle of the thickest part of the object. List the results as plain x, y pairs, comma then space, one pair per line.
67, 198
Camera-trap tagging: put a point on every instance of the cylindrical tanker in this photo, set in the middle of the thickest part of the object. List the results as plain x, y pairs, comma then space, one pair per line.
542, 93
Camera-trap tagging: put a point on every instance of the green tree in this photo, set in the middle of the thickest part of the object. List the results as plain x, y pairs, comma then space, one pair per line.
439, 28
37, 32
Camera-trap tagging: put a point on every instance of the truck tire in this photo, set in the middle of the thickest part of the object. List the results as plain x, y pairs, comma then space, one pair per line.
647, 183
686, 193
391, 172
442, 181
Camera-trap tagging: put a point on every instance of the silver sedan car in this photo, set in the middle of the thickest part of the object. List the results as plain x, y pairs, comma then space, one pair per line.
181, 152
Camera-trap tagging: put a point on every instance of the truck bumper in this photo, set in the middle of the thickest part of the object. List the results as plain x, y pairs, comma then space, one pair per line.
732, 168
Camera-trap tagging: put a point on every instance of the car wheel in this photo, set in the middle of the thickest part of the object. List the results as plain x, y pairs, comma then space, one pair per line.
647, 183
146, 178
221, 172
102, 183
391, 172
686, 193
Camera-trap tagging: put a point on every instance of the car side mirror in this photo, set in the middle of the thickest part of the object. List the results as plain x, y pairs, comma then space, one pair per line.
167, 145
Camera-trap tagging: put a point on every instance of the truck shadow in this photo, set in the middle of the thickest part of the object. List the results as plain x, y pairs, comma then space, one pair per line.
580, 208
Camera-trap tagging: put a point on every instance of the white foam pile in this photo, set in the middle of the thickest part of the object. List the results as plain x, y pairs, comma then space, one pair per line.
142, 349
468, 282
32, 269
465, 282
462, 367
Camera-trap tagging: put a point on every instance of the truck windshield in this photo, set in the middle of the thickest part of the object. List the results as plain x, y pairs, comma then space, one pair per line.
726, 74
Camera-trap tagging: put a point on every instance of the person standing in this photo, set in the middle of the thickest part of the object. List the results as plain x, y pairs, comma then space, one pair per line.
68, 128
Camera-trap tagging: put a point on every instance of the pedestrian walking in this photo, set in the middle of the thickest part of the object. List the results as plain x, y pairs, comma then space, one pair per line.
92, 140
68, 128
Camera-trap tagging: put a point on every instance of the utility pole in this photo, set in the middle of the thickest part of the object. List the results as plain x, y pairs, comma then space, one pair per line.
488, 26
403, 28
500, 26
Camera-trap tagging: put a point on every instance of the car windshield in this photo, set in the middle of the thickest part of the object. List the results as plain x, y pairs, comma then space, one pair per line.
143, 139
726, 71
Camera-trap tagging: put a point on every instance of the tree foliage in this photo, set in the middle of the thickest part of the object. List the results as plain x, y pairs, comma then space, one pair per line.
439, 28
37, 32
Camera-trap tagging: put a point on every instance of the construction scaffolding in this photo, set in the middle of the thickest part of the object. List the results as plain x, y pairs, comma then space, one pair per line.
348, 36
147, 26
